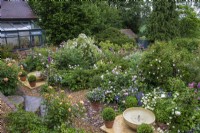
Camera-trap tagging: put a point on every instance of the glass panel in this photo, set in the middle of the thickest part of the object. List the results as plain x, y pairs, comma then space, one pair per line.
24, 33
13, 42
11, 34
24, 42
36, 41
36, 33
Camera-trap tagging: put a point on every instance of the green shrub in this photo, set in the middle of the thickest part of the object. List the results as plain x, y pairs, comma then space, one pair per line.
68, 58
131, 101
86, 53
163, 110
46, 89
8, 78
108, 114
114, 36
6, 51
77, 79
23, 122
144, 128
164, 60
37, 60
175, 84
96, 95
22, 73
32, 78
60, 110
190, 44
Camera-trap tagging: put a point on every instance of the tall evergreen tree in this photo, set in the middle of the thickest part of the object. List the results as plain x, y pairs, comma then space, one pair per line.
163, 21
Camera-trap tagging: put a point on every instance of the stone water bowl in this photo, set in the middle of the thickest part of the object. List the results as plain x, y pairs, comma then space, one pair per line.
135, 116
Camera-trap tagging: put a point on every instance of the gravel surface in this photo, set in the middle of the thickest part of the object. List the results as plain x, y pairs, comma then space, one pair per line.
92, 120
4, 109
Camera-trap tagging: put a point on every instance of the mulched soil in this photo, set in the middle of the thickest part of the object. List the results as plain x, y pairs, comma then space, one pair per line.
4, 110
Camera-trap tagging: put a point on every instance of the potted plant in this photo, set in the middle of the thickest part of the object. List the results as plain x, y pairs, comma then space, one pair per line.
95, 96
108, 115
32, 80
144, 128
22, 75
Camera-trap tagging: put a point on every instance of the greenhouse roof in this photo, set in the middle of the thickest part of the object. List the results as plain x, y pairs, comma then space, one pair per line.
16, 10
17, 26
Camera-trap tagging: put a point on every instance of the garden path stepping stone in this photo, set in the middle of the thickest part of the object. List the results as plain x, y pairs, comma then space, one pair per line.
119, 126
32, 104
16, 100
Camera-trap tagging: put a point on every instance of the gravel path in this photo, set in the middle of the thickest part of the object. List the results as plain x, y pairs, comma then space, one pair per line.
4, 109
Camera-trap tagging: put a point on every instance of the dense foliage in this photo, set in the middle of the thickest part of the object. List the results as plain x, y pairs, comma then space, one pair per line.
8, 77
64, 20
144, 128
114, 36
108, 114
165, 60
23, 121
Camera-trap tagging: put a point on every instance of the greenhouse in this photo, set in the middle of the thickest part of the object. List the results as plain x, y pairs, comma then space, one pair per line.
18, 28
21, 34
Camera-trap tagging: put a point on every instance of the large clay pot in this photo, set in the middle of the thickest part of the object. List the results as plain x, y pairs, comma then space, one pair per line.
23, 78
109, 124
32, 84
95, 105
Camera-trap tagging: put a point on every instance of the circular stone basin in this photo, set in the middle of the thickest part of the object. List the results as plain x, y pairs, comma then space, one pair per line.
135, 116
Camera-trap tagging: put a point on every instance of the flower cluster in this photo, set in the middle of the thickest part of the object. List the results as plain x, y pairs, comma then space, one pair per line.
149, 99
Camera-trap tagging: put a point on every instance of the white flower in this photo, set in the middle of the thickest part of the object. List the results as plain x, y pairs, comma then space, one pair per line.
39, 54
177, 113
159, 61
102, 76
163, 96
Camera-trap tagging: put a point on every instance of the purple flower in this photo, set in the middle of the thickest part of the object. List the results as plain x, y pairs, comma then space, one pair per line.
191, 85
139, 103
49, 59
117, 98
139, 96
198, 85
169, 94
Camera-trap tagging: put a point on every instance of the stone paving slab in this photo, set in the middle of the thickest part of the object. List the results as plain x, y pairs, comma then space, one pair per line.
16, 100
119, 126
32, 104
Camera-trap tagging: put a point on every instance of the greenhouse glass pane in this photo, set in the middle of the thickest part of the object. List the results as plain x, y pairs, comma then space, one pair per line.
24, 33
13, 42
24, 42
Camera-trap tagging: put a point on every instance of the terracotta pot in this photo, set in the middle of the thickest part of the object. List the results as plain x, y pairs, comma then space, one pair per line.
32, 84
95, 105
23, 78
163, 126
109, 124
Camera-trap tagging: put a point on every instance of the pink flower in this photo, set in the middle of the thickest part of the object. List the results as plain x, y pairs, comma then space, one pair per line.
191, 85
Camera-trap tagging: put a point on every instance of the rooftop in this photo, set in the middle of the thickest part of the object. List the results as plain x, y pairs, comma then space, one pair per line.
16, 10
